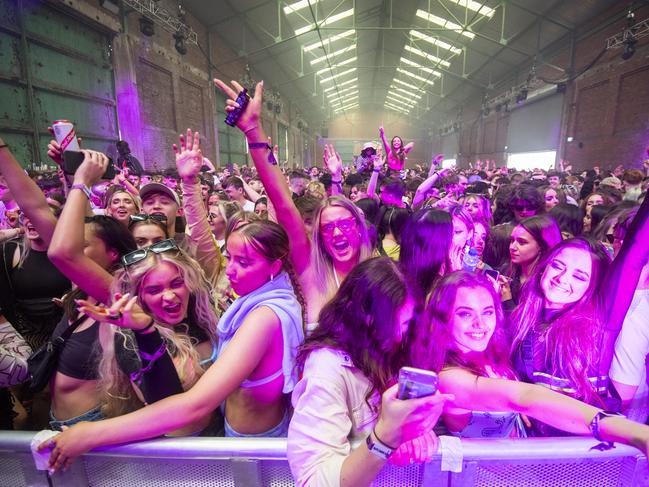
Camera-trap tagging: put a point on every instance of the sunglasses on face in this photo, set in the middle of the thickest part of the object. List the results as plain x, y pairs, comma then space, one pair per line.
141, 217
521, 208
141, 254
346, 225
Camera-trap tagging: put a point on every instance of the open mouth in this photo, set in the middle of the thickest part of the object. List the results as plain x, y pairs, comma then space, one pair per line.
558, 287
477, 335
121, 213
341, 245
172, 308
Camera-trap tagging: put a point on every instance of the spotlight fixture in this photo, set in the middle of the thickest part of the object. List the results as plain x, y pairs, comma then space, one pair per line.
521, 96
180, 43
629, 47
146, 26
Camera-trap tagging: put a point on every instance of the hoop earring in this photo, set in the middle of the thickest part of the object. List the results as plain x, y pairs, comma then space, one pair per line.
271, 278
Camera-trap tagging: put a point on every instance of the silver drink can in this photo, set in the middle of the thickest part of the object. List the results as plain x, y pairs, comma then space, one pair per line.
65, 135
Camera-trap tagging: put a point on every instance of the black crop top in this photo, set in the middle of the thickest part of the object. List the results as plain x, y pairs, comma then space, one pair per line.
80, 355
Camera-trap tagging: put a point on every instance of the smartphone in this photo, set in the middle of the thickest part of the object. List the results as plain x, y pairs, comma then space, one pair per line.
72, 160
414, 383
491, 273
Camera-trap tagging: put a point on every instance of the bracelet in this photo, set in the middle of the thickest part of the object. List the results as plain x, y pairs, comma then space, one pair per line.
147, 327
380, 440
264, 145
336, 182
376, 170
250, 129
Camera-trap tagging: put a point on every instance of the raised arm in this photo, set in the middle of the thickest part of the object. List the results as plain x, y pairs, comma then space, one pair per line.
189, 160
408, 147
68, 241
386, 144
377, 161
557, 410
621, 280
334, 164
28, 195
270, 175
425, 186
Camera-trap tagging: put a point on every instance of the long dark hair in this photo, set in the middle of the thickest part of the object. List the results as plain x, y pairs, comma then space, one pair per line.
361, 320
545, 232
425, 242
391, 220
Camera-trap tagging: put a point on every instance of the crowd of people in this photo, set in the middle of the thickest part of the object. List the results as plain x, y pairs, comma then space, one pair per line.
266, 302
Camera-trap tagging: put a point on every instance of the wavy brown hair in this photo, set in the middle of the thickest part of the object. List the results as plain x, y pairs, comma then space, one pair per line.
361, 320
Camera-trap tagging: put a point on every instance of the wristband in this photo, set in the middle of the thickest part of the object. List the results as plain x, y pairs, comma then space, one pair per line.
83, 188
264, 145
377, 447
336, 182
594, 426
376, 170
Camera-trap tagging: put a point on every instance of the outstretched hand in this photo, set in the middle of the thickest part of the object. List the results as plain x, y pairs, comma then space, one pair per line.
124, 312
69, 444
189, 158
333, 162
249, 118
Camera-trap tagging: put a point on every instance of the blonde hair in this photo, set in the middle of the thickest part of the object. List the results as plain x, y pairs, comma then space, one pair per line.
201, 312
324, 276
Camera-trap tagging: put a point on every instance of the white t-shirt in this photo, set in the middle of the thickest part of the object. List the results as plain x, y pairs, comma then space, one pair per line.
249, 206
631, 349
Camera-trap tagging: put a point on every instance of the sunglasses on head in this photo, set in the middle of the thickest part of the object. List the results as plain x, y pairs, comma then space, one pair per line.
141, 217
140, 254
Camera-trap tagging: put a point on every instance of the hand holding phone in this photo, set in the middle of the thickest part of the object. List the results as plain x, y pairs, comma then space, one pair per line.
72, 161
414, 383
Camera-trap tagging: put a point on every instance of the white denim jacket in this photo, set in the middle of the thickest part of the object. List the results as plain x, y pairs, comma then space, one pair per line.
331, 417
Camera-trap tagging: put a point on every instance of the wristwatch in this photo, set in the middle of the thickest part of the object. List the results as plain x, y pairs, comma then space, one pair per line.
82, 187
377, 447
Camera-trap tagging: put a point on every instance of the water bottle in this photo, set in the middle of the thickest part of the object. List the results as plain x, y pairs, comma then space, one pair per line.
470, 260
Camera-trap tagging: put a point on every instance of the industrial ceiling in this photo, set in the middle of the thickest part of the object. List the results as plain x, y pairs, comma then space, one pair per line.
415, 57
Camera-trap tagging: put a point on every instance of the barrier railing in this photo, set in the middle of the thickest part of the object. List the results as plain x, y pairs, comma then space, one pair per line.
226, 462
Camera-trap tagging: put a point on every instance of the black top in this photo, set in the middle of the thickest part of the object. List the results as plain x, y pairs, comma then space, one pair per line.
27, 294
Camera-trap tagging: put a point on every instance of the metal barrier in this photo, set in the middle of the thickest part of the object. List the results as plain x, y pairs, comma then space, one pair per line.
226, 462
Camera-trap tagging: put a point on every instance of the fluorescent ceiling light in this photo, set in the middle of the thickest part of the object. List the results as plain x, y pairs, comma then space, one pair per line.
415, 76
435, 42
397, 101
348, 107
328, 21
430, 57
403, 83
405, 98
396, 109
328, 40
419, 66
447, 24
334, 66
344, 83
333, 54
294, 7
324, 80
475, 6
339, 92
407, 92
344, 99
348, 101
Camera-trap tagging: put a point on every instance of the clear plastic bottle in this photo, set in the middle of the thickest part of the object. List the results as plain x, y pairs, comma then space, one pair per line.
470, 260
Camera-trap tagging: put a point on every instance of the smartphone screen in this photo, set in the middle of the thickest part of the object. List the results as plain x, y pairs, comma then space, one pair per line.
72, 160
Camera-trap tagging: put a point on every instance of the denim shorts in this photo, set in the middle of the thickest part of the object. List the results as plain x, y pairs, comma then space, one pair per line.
93, 415
279, 431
